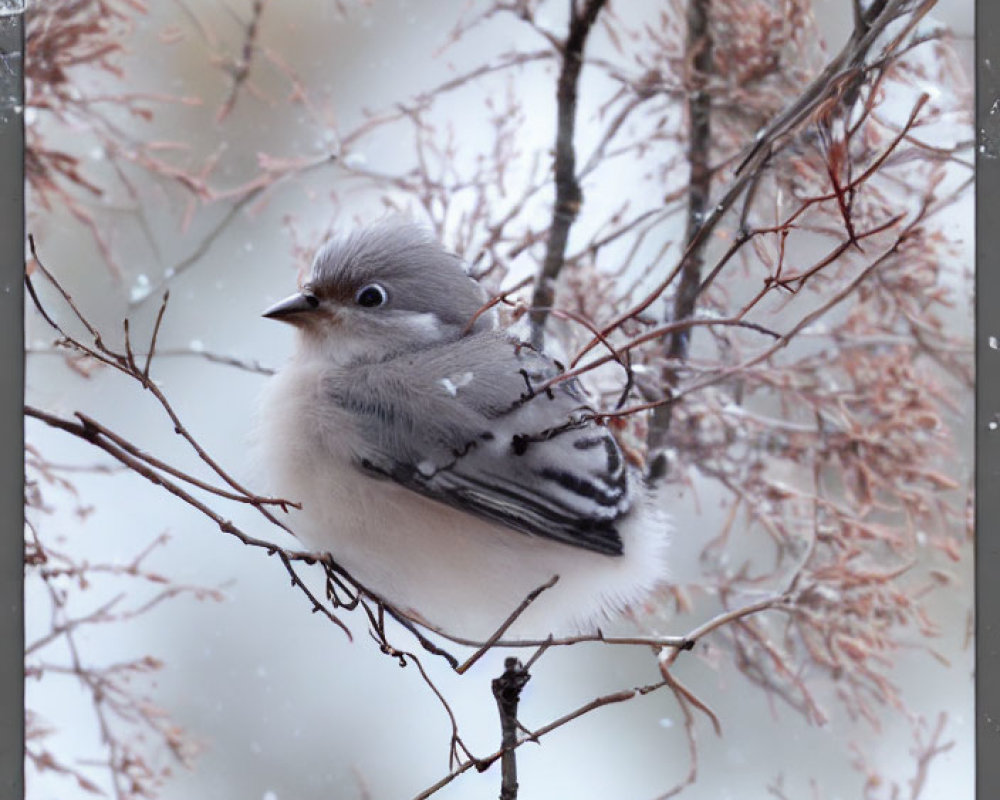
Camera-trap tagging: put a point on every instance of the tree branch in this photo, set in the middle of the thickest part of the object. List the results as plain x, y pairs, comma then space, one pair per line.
699, 53
568, 195
507, 692
778, 132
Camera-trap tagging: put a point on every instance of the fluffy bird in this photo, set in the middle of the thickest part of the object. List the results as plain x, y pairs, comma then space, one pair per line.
431, 462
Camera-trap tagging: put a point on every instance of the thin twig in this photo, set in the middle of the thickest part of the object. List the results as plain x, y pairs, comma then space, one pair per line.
156, 331
505, 625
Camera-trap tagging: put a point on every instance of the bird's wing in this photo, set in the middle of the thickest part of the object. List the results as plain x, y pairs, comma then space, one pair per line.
465, 425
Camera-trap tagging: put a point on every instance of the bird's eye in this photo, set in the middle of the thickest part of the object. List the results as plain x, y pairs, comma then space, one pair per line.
371, 296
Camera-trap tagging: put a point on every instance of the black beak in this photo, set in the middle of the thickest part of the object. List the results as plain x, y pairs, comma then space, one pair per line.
291, 306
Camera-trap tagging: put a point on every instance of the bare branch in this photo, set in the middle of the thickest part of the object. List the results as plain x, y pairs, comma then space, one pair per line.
568, 195
699, 55
507, 692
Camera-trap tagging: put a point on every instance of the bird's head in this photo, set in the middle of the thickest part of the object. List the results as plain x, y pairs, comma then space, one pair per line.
383, 290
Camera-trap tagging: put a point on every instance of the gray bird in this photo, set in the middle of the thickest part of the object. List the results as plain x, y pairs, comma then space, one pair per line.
431, 465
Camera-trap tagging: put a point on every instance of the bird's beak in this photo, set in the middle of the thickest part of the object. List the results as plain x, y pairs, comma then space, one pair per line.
290, 307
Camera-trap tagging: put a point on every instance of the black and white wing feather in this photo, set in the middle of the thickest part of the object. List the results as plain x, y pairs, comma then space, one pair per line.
464, 424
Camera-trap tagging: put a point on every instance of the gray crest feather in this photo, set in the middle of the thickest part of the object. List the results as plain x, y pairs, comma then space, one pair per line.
421, 274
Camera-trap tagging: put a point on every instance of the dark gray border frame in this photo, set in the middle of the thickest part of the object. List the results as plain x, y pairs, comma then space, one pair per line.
987, 399
11, 398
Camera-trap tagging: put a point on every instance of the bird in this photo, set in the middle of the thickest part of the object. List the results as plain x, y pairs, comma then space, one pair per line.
435, 459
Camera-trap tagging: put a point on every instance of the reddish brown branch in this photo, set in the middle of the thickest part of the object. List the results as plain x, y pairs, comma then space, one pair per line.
825, 88
239, 70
